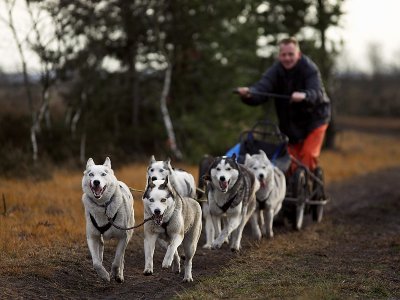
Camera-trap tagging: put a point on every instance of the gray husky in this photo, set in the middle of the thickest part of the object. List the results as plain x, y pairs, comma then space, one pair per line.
231, 190
105, 198
270, 195
176, 219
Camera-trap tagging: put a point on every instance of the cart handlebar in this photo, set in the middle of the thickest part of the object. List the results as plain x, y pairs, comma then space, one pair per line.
272, 95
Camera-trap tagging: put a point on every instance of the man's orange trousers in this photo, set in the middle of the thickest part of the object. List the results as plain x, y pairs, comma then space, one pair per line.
308, 150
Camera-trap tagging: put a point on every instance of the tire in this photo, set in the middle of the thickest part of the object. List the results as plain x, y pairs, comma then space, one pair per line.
317, 211
300, 192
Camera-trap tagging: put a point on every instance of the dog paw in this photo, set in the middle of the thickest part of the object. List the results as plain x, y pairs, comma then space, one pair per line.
216, 245
147, 272
269, 235
207, 246
235, 250
167, 262
117, 274
188, 279
119, 278
103, 274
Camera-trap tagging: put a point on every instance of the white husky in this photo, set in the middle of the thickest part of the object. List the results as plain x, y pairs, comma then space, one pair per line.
270, 195
176, 219
231, 190
181, 180
105, 198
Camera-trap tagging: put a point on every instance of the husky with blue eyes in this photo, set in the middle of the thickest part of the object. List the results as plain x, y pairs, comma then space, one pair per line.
106, 200
176, 221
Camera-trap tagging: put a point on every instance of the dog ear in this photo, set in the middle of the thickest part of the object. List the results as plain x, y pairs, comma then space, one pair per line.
152, 159
164, 185
233, 156
89, 163
149, 186
213, 164
107, 162
168, 164
247, 158
150, 183
264, 156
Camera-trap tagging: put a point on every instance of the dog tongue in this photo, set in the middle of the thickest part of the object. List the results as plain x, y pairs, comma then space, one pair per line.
223, 185
97, 190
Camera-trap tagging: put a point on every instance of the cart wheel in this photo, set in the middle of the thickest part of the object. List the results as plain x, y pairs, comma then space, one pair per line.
318, 210
300, 191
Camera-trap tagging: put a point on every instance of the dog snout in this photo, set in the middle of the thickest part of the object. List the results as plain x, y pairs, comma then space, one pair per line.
96, 182
261, 176
154, 178
157, 211
222, 178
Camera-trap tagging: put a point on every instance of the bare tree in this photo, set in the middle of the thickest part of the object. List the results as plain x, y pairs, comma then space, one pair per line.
19, 42
37, 43
166, 117
166, 52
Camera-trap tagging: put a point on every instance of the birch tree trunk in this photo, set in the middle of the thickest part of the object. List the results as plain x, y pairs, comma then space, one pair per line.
10, 4
165, 113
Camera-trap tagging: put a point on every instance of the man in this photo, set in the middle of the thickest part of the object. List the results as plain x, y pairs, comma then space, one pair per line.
305, 114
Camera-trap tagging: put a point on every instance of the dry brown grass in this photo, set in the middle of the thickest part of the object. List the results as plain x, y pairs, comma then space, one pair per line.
360, 153
42, 216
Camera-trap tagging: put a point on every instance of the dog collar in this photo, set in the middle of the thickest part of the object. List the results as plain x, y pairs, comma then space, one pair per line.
105, 205
103, 228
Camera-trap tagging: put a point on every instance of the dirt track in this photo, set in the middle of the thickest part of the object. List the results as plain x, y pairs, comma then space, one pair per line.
366, 209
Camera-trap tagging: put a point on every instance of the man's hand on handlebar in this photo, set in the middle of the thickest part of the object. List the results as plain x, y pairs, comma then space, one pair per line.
298, 97
244, 92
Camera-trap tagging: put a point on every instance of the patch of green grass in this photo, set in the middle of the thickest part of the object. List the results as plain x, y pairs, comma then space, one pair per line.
331, 268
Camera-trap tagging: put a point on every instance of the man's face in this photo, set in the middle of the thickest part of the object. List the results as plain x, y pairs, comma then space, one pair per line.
288, 55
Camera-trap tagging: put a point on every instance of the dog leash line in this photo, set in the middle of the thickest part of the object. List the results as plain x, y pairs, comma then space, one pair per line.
136, 190
128, 228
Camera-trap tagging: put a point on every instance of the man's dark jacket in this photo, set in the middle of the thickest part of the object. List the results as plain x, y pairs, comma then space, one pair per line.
296, 120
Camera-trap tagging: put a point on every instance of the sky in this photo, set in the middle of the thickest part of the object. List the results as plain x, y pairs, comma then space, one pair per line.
365, 22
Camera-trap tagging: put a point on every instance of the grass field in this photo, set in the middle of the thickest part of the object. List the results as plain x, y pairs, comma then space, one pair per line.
42, 219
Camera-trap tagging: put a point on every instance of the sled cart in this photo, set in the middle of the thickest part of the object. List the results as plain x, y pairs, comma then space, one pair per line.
304, 189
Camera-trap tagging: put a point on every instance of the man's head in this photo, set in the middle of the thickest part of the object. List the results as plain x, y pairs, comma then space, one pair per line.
289, 52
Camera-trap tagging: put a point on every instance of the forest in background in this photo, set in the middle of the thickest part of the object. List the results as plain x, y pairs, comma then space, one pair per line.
128, 79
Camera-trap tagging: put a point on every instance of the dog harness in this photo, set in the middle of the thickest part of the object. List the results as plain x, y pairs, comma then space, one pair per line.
241, 189
103, 228
261, 203
225, 207
165, 225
